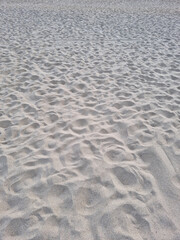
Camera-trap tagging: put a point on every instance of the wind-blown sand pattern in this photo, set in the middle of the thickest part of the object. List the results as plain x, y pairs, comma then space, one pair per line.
89, 120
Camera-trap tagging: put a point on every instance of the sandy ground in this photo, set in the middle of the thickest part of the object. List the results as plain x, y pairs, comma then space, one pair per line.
89, 120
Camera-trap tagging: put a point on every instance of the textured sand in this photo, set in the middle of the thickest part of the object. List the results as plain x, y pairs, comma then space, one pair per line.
89, 120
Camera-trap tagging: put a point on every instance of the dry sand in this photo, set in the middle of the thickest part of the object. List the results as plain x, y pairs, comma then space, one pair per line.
89, 120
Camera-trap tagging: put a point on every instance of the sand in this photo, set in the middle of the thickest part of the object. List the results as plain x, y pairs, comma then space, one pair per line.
89, 120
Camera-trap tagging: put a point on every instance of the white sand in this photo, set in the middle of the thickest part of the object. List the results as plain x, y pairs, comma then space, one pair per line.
89, 120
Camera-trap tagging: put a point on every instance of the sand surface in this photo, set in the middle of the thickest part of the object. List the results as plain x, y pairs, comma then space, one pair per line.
89, 120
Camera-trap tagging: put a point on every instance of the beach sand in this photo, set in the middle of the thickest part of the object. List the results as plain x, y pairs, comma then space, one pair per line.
89, 120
